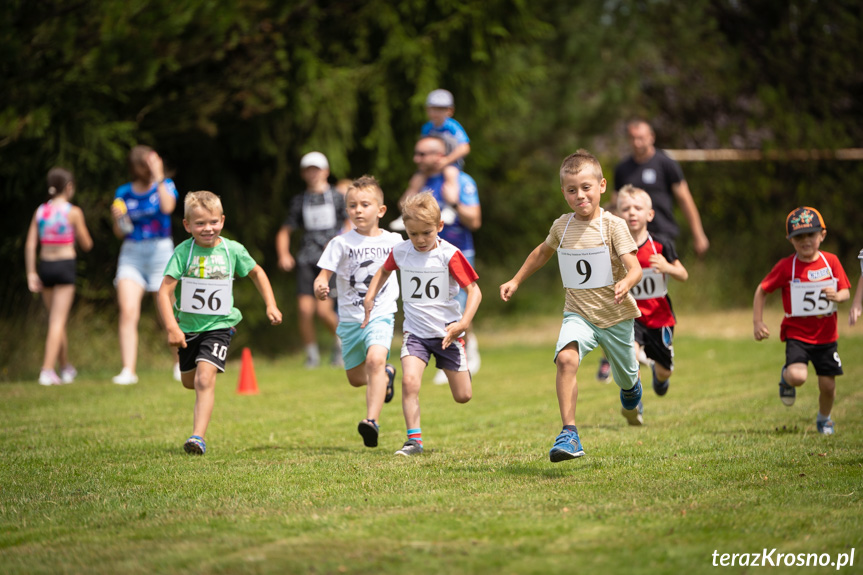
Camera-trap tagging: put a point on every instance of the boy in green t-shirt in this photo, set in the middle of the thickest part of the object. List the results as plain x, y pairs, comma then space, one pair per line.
202, 318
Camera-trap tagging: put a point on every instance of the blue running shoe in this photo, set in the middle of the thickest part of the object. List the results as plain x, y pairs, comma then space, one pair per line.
566, 446
630, 398
825, 427
787, 393
634, 416
660, 387
195, 445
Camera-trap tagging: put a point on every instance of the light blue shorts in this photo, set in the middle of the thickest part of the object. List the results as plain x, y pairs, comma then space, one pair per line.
144, 262
617, 341
357, 341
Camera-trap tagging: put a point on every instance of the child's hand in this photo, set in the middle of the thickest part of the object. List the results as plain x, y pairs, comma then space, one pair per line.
34, 284
829, 293
854, 314
287, 262
452, 332
176, 338
760, 330
157, 168
274, 315
368, 305
322, 290
659, 263
621, 288
508, 289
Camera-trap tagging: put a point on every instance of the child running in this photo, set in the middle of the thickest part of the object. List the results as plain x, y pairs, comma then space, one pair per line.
201, 322
432, 271
857, 304
354, 257
654, 330
55, 227
812, 283
599, 267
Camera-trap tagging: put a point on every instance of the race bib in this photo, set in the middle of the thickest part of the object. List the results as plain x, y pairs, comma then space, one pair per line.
206, 296
808, 299
319, 217
653, 284
585, 269
425, 285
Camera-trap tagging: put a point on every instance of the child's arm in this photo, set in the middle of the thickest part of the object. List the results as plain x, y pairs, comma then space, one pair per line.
857, 304
759, 327
322, 284
674, 269
283, 249
33, 281
415, 185
176, 337
450, 188
82, 234
474, 296
457, 154
632, 277
380, 278
167, 201
262, 282
535, 260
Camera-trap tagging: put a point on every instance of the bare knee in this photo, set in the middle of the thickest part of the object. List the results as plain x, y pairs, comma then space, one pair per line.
795, 374
661, 373
462, 396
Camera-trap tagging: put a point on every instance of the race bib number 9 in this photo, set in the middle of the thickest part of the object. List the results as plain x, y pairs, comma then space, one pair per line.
206, 296
808, 298
653, 284
585, 269
425, 285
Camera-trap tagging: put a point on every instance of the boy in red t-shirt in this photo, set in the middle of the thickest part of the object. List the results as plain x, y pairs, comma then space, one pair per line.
654, 330
812, 282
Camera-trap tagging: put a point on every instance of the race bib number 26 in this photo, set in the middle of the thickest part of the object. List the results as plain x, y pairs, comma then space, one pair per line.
425, 285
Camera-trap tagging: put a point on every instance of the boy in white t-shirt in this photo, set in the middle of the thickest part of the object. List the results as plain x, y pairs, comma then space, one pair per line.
432, 272
354, 257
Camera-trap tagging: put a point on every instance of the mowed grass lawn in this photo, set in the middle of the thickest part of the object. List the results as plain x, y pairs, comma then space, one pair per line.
93, 478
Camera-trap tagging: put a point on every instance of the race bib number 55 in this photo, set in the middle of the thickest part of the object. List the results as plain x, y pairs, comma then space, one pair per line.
808, 298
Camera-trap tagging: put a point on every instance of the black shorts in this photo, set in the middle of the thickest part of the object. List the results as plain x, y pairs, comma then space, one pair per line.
658, 343
824, 356
60, 272
209, 346
306, 274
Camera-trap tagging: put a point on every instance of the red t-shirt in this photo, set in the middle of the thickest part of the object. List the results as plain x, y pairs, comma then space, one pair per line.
811, 329
655, 312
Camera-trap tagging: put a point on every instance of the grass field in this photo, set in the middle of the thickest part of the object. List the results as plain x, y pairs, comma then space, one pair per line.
94, 478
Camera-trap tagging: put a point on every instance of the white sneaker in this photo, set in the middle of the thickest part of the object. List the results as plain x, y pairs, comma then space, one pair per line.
49, 377
440, 378
398, 224
471, 350
68, 374
125, 377
177, 375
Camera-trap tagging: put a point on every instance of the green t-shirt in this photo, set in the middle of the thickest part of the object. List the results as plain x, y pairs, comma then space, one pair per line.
226, 260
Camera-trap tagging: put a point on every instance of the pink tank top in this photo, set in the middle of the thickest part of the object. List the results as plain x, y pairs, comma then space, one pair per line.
53, 222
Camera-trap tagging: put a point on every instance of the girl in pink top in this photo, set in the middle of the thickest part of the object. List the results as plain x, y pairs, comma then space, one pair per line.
55, 227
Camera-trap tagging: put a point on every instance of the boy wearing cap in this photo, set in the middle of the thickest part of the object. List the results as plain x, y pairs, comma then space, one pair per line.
812, 283
320, 213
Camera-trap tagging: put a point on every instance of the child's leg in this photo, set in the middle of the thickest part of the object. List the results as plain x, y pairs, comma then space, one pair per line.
826, 394
58, 300
205, 395
412, 375
566, 382
129, 297
459, 385
376, 375
795, 374
324, 310
306, 305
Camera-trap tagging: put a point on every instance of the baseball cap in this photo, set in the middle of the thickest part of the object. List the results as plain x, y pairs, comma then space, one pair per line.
803, 220
440, 99
314, 160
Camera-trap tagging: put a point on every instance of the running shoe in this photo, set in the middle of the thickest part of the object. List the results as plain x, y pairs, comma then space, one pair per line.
440, 378
603, 375
411, 447
825, 427
68, 374
660, 387
633, 416
195, 445
567, 445
125, 377
630, 398
391, 388
49, 377
787, 393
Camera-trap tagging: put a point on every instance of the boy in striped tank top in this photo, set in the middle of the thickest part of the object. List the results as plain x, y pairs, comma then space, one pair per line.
598, 265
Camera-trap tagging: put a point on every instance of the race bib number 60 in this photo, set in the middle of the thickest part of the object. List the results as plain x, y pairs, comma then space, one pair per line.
653, 284
808, 298
206, 296
425, 285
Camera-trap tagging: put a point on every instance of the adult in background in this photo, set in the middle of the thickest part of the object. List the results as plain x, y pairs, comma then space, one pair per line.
142, 219
461, 215
320, 212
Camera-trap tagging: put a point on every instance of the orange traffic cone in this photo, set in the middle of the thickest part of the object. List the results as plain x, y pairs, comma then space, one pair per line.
248, 383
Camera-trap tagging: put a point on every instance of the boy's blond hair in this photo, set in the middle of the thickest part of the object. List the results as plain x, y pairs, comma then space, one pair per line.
575, 163
423, 208
203, 199
634, 193
369, 184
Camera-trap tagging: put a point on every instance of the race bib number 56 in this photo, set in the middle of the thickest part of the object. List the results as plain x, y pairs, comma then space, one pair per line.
206, 296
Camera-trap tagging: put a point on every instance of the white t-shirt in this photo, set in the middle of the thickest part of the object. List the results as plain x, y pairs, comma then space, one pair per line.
431, 281
355, 259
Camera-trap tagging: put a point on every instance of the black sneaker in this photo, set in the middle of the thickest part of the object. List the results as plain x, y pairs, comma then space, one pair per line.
369, 429
787, 393
660, 387
391, 374
603, 375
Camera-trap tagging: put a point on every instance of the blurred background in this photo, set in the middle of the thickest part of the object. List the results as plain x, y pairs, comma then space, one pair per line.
231, 93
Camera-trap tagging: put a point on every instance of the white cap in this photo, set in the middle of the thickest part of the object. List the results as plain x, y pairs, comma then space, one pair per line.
440, 99
314, 160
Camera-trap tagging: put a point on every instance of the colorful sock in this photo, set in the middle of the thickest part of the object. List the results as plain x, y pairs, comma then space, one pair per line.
570, 428
416, 435
822, 418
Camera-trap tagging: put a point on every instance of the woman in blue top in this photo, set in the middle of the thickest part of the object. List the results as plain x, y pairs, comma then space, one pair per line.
142, 219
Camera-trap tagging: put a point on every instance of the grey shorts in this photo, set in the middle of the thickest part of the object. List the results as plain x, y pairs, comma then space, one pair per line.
452, 358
